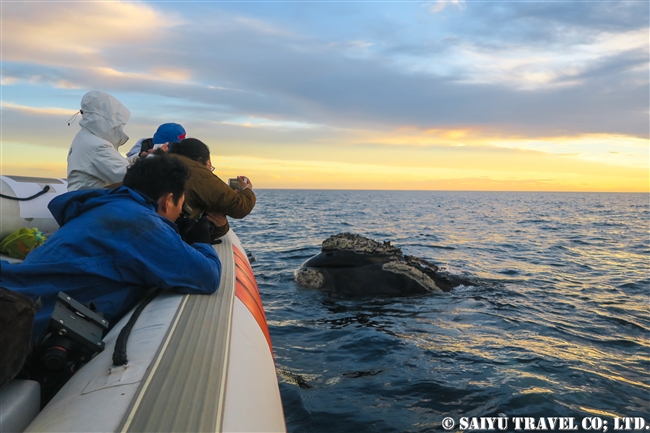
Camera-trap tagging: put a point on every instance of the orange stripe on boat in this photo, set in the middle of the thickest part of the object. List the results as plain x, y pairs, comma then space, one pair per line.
248, 293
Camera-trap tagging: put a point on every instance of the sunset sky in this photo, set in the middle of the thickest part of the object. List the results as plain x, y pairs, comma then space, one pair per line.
441, 95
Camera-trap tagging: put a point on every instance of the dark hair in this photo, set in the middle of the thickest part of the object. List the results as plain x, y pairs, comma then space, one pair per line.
157, 176
192, 148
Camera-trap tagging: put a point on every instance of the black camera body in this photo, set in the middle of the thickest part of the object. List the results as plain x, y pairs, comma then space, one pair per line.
76, 334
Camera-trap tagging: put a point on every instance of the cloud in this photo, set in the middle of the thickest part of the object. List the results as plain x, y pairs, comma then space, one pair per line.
26, 129
64, 84
253, 122
229, 23
527, 88
46, 127
177, 76
522, 50
442, 5
8, 81
492, 69
529, 68
55, 33
542, 23
51, 111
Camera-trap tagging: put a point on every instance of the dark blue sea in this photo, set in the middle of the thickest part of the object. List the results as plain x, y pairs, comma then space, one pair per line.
557, 324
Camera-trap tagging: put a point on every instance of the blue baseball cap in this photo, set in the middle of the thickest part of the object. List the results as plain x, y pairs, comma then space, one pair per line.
169, 133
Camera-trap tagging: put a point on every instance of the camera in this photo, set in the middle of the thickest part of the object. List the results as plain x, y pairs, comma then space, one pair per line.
235, 184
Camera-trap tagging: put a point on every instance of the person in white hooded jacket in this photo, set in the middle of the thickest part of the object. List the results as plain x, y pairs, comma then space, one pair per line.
93, 159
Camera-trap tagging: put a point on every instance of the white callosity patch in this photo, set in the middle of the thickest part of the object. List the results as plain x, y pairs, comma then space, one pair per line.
310, 278
359, 244
412, 272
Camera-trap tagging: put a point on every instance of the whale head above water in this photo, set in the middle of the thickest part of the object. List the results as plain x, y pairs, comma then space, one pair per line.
354, 264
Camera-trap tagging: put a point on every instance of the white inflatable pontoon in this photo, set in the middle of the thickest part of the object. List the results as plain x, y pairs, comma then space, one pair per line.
197, 363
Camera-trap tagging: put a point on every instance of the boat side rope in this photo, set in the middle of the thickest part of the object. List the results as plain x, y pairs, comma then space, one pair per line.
45, 189
119, 354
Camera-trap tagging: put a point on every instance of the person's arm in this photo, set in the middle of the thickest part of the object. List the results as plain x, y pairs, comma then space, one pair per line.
168, 262
135, 150
109, 165
212, 272
243, 205
219, 197
216, 218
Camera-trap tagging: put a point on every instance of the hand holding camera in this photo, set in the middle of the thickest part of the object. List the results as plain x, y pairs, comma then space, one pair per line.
240, 183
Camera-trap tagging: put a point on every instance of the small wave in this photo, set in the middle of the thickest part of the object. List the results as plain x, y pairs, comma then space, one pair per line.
356, 374
609, 224
641, 285
534, 221
620, 343
298, 256
564, 249
527, 359
297, 250
463, 289
509, 272
626, 323
440, 247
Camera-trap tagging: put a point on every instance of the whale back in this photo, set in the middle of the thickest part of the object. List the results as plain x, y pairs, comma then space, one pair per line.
356, 265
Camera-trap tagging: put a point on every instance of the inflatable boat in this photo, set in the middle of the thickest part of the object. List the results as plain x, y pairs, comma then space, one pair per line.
197, 363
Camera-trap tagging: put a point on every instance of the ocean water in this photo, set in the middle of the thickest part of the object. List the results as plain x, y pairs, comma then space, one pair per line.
556, 324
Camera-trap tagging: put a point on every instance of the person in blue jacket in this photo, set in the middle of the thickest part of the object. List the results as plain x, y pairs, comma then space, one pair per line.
115, 244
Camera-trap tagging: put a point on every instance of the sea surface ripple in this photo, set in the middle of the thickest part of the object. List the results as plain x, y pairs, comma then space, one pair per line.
556, 324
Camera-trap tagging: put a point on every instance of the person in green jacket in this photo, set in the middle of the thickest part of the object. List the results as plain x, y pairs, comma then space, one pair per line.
206, 192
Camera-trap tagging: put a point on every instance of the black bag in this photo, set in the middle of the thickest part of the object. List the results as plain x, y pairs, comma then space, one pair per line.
17, 313
201, 230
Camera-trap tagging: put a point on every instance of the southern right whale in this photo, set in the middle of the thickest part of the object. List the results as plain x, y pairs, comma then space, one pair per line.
353, 264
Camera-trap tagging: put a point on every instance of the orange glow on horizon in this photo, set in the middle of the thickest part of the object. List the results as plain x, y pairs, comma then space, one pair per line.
462, 159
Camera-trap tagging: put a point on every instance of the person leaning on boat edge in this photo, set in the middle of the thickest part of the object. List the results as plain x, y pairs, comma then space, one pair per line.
206, 192
93, 158
108, 249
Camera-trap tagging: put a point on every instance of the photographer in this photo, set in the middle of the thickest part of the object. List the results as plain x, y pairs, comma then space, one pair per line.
206, 192
93, 159
165, 134
108, 249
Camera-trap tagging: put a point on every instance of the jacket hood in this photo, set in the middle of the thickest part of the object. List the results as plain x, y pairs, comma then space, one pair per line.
68, 206
105, 117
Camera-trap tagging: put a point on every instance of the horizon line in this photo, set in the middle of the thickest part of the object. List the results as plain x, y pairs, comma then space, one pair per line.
454, 190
